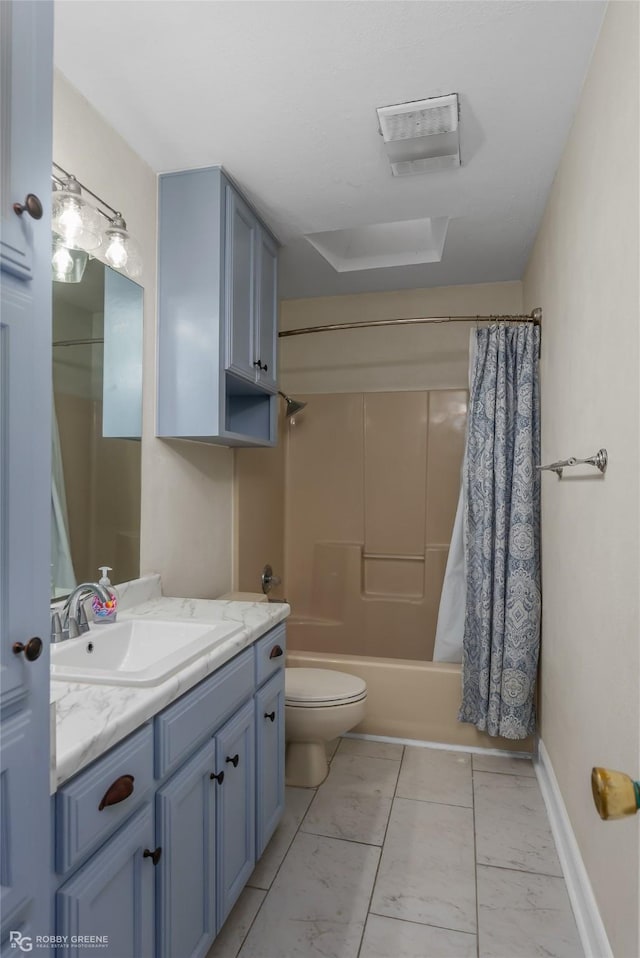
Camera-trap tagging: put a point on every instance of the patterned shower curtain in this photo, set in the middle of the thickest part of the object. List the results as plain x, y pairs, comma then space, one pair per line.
502, 543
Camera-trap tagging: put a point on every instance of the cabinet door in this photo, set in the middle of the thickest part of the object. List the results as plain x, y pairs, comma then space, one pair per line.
269, 759
185, 829
26, 53
113, 895
235, 756
240, 252
267, 325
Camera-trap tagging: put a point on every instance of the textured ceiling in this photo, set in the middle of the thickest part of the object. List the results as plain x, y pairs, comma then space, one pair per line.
284, 94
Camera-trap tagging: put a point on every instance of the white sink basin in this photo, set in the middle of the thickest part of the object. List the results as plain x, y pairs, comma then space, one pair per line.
136, 652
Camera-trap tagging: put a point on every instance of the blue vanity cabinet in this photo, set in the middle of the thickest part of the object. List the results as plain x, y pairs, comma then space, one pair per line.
26, 56
269, 759
186, 832
113, 895
235, 760
216, 314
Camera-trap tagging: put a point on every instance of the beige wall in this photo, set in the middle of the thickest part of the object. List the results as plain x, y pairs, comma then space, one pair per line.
584, 273
391, 358
186, 518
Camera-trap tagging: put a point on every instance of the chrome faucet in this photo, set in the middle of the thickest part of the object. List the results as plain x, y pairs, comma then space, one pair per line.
74, 618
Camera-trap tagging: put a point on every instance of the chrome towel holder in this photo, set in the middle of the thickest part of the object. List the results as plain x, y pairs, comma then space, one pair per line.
600, 460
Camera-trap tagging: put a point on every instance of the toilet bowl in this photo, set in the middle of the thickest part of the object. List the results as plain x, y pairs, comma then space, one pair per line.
320, 705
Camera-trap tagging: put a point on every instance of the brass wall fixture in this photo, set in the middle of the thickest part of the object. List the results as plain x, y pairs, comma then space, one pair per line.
615, 794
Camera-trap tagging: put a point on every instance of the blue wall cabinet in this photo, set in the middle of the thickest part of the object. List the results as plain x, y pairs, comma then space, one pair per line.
269, 759
26, 52
113, 895
217, 314
235, 758
185, 830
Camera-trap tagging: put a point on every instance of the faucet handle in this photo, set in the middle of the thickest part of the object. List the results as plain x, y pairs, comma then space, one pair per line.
83, 625
56, 627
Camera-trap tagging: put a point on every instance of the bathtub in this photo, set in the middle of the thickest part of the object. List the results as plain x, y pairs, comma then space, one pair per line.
406, 699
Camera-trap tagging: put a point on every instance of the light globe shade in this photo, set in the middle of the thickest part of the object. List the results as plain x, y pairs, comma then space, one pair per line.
76, 222
68, 265
120, 249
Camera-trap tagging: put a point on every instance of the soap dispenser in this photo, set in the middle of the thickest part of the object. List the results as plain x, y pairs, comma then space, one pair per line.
104, 612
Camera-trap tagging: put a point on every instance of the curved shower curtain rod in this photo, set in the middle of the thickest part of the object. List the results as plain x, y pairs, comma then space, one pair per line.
535, 317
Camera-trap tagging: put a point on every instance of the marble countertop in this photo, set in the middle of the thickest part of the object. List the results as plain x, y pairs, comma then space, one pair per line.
92, 718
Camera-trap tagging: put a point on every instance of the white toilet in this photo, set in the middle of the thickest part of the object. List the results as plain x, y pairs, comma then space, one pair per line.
320, 705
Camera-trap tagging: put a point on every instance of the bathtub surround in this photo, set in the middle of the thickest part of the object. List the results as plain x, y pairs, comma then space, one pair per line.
502, 494
371, 488
584, 274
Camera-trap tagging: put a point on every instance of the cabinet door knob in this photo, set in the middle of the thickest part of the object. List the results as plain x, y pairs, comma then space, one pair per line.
276, 652
31, 205
219, 777
153, 855
117, 792
258, 364
234, 761
270, 715
264, 368
32, 649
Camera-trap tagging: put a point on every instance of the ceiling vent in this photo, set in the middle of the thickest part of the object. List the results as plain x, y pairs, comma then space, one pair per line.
421, 136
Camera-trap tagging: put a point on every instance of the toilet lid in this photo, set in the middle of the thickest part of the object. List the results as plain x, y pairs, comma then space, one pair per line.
322, 687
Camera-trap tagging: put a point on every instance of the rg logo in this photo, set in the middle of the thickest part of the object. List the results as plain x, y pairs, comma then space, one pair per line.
18, 940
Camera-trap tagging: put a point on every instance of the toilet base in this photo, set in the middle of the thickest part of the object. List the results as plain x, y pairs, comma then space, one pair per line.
306, 764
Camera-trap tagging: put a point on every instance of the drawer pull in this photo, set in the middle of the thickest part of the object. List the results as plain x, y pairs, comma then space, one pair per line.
234, 761
270, 715
275, 652
32, 649
219, 777
121, 789
153, 855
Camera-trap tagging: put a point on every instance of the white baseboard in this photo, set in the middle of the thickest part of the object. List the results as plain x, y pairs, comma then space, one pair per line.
420, 743
585, 908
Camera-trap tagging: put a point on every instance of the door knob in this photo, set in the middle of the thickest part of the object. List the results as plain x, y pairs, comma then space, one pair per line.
32, 649
153, 855
31, 205
615, 794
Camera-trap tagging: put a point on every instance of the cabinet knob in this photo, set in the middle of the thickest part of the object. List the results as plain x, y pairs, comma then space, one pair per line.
258, 364
153, 855
219, 777
615, 794
117, 792
270, 715
31, 205
234, 761
32, 649
276, 652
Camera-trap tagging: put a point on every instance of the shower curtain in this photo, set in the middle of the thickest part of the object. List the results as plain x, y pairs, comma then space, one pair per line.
502, 534
62, 575
450, 626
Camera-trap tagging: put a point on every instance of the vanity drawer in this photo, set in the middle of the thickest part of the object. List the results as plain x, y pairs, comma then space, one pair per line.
185, 724
97, 801
270, 653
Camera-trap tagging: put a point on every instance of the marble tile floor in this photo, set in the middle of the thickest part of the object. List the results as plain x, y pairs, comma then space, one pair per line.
408, 852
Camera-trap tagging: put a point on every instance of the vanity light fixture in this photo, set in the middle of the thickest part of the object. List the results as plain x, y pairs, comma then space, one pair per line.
75, 221
79, 229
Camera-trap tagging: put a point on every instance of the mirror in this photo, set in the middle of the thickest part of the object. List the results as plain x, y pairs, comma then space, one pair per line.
97, 393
